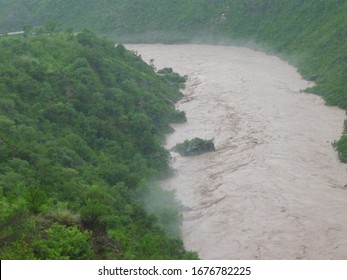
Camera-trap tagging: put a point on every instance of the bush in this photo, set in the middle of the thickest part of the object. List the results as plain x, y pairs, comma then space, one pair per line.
194, 147
173, 77
64, 243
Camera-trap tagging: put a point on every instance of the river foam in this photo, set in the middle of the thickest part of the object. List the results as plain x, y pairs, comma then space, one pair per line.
274, 189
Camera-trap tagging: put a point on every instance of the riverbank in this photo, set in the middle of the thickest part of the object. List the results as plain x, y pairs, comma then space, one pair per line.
274, 189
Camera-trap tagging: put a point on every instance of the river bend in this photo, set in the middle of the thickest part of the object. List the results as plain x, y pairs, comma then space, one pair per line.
274, 189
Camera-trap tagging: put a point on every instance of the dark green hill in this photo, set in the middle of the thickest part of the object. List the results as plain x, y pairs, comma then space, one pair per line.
311, 34
81, 128
75, 156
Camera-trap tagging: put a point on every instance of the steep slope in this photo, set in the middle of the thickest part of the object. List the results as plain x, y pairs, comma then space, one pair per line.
81, 129
312, 33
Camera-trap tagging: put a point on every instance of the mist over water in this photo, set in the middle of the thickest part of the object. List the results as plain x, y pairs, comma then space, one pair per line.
274, 189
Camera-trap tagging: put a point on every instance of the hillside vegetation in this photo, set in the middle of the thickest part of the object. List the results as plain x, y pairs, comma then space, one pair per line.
82, 122
81, 130
311, 34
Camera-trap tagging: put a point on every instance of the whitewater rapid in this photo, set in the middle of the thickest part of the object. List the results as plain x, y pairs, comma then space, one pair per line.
274, 188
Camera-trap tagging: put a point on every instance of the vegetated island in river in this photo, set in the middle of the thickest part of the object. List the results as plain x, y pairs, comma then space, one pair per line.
194, 147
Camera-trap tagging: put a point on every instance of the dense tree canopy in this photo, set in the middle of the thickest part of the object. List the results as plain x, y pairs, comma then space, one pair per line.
81, 130
311, 34
82, 122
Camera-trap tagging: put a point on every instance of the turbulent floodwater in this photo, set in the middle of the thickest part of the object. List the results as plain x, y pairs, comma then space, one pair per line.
274, 189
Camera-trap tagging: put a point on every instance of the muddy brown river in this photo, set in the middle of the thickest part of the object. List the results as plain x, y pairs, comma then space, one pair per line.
274, 188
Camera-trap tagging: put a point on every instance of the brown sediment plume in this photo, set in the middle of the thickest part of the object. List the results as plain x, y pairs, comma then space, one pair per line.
274, 188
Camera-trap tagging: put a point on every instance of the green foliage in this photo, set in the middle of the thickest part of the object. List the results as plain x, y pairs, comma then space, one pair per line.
162, 204
63, 243
341, 147
17, 250
173, 77
81, 130
14, 223
78, 86
311, 34
194, 147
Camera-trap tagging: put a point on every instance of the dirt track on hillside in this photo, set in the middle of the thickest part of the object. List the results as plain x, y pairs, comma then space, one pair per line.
274, 189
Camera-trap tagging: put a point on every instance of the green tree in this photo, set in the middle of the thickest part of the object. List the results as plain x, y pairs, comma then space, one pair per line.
64, 243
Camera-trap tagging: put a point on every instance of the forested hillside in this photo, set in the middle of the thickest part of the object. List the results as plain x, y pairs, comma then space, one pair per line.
311, 34
82, 122
81, 129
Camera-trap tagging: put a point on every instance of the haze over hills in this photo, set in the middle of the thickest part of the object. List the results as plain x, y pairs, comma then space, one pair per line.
310, 33
40, 178
81, 129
